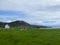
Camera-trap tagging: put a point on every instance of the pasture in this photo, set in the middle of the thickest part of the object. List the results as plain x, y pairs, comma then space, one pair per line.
33, 36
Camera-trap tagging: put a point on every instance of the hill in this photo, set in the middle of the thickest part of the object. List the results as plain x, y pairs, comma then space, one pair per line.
20, 24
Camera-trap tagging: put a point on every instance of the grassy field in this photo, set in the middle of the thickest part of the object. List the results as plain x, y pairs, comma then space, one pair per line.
17, 36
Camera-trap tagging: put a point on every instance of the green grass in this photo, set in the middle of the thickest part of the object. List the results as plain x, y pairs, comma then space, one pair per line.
16, 36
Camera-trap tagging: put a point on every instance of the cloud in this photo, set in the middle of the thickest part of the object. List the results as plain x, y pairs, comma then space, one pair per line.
37, 11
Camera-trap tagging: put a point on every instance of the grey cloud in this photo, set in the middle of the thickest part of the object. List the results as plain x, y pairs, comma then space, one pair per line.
49, 8
54, 8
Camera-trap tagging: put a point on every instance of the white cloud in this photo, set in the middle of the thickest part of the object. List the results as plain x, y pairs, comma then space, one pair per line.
38, 10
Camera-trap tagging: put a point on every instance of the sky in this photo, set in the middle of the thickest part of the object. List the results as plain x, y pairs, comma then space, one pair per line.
39, 12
